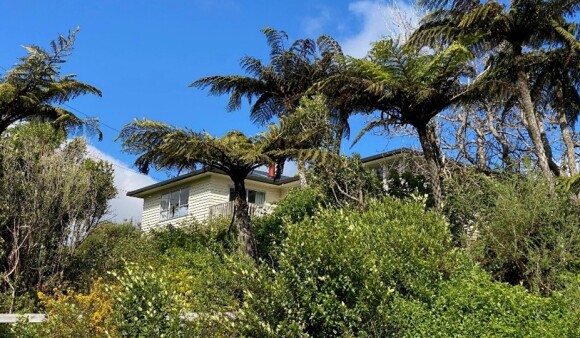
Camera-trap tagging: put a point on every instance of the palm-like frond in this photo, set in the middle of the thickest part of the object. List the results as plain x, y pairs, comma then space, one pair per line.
275, 89
328, 45
556, 82
236, 85
275, 40
412, 86
34, 87
166, 147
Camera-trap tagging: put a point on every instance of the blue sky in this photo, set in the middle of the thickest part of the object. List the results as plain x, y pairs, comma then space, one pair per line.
143, 54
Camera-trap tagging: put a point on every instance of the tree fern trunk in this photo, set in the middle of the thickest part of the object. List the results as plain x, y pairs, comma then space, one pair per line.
246, 239
554, 167
433, 160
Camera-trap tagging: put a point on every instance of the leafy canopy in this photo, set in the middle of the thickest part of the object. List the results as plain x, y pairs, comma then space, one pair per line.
35, 88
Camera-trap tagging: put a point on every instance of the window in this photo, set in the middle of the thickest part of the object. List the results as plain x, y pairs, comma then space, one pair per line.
379, 172
252, 196
174, 204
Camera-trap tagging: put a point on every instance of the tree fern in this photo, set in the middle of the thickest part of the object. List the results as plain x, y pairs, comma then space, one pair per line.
34, 88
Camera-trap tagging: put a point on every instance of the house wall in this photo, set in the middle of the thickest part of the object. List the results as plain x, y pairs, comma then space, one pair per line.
199, 202
220, 189
203, 193
151, 209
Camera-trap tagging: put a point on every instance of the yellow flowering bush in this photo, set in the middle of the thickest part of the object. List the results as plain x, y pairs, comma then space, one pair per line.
73, 314
146, 304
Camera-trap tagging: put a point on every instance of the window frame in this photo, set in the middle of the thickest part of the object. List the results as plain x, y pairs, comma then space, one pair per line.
172, 211
231, 195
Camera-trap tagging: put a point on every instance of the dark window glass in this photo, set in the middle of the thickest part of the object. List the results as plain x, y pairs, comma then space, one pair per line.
251, 196
174, 204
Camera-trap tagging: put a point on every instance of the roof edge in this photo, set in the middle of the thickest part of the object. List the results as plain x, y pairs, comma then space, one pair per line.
198, 172
279, 182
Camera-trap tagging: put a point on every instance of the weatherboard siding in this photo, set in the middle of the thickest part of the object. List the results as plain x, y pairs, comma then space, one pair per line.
151, 209
198, 205
203, 193
200, 198
220, 190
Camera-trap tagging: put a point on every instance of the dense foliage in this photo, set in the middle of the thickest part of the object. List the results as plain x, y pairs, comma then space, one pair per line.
52, 197
338, 272
482, 239
35, 89
518, 228
271, 230
391, 270
345, 181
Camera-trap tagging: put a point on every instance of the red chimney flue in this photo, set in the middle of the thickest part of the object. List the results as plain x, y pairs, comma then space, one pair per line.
272, 170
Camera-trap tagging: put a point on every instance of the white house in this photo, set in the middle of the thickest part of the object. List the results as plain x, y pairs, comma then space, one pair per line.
204, 193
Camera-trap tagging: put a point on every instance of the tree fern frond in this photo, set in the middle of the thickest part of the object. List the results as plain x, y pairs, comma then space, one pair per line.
252, 65
65, 120
368, 127
568, 36
327, 44
266, 107
275, 40
305, 48
31, 88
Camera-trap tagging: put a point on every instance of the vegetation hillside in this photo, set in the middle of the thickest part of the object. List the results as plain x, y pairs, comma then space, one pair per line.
480, 238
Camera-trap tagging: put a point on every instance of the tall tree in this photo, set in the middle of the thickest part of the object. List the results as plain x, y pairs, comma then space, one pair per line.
52, 197
277, 86
411, 88
507, 34
35, 89
237, 155
556, 92
291, 75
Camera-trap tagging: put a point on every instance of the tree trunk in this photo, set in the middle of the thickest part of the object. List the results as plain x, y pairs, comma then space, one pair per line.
246, 238
500, 138
565, 129
529, 118
302, 172
339, 134
554, 167
433, 159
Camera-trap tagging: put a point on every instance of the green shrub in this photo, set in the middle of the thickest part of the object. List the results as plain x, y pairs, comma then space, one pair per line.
146, 304
405, 184
200, 264
271, 229
473, 306
106, 248
345, 181
519, 229
338, 271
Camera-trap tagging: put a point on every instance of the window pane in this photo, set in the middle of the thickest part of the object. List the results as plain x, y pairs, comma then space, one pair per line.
260, 197
173, 211
163, 215
251, 196
232, 197
183, 210
379, 172
174, 199
164, 202
183, 196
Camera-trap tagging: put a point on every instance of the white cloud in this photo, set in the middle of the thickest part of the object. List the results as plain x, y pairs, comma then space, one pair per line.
123, 207
314, 26
379, 20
